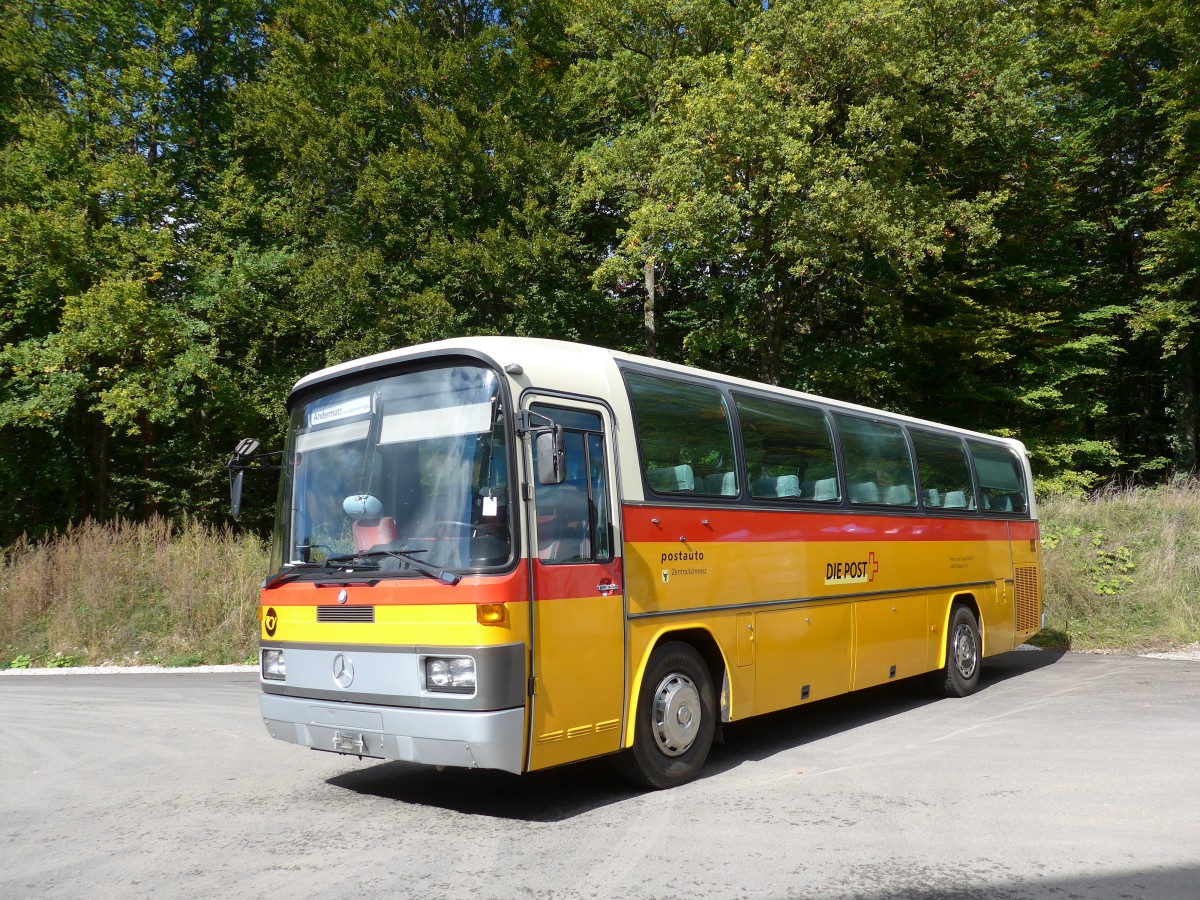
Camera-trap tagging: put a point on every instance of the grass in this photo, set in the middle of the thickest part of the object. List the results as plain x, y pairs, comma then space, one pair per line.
150, 592
1122, 572
1123, 568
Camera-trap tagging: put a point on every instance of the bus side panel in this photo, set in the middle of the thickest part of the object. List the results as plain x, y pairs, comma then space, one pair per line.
890, 639
996, 608
803, 654
989, 560
684, 559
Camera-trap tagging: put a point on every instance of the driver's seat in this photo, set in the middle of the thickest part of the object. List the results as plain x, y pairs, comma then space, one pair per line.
369, 533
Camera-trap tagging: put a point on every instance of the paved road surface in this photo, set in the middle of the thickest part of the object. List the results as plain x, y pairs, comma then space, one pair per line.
1065, 776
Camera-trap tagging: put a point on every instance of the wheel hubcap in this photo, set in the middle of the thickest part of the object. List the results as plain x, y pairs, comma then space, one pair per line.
966, 654
676, 714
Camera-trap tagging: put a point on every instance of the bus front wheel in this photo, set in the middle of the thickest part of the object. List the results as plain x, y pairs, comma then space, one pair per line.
675, 719
964, 651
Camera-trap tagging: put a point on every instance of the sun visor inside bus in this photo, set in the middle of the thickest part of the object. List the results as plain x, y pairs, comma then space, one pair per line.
450, 421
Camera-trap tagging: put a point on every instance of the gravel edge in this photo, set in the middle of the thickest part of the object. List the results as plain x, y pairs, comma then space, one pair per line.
125, 670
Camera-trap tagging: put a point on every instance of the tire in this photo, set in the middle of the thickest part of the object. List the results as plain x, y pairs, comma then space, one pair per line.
675, 720
964, 655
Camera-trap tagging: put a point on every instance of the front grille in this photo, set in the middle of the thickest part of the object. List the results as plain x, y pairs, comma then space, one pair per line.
1028, 601
345, 614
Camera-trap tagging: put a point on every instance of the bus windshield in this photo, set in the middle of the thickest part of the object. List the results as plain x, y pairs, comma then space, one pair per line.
413, 466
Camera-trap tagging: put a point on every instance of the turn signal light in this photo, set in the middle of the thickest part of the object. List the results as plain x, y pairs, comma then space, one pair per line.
491, 614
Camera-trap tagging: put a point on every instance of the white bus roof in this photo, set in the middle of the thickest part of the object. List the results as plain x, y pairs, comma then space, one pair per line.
588, 370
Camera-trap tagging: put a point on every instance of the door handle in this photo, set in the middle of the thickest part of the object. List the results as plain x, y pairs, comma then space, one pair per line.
607, 588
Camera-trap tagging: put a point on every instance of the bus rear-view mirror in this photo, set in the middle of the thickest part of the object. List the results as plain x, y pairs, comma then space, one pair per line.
551, 456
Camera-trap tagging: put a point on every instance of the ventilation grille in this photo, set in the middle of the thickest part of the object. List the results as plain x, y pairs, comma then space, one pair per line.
1028, 599
345, 614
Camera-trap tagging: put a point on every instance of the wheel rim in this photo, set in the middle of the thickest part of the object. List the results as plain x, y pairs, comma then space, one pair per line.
966, 653
677, 714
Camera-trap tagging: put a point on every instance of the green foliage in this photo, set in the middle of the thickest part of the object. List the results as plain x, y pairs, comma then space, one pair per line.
1123, 566
20, 661
980, 212
105, 361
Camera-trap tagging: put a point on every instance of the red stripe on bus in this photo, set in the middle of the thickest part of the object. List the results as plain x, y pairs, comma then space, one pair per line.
1025, 531
650, 524
568, 580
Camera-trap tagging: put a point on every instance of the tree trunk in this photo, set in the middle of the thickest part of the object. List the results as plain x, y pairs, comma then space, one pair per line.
149, 466
649, 325
95, 504
773, 310
1185, 406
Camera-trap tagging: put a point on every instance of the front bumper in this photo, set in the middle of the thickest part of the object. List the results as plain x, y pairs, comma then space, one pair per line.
492, 739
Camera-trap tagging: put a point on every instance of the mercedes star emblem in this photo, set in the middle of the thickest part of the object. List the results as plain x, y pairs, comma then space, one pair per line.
343, 671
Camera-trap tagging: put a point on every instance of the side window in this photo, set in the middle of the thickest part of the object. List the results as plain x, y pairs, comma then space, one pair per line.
878, 467
601, 517
574, 519
945, 471
683, 435
1001, 479
788, 451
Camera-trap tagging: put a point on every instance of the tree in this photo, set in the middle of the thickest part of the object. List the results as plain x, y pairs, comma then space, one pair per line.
108, 137
405, 163
638, 63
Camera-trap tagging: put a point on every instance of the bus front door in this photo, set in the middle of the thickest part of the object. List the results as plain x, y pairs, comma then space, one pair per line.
578, 612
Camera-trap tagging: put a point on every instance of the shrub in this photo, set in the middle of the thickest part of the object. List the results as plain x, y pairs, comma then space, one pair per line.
1123, 566
128, 591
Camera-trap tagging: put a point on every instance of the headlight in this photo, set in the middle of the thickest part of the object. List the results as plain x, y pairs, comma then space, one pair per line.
450, 674
273, 666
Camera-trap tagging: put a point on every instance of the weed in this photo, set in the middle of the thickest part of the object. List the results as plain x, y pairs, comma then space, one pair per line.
1122, 568
145, 591
1051, 639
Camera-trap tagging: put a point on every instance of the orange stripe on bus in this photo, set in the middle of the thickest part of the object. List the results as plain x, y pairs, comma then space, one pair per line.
416, 591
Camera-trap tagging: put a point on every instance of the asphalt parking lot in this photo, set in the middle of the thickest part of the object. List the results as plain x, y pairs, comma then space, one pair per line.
1064, 776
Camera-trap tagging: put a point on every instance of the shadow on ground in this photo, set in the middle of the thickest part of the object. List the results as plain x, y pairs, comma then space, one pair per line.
1163, 883
572, 790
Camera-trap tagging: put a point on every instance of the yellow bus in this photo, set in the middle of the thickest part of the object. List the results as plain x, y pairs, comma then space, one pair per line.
512, 554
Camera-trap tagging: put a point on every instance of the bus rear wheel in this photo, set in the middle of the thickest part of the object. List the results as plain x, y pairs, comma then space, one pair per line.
674, 721
964, 652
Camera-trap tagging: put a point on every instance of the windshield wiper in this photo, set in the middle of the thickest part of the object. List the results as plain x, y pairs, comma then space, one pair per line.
351, 562
296, 569
409, 558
